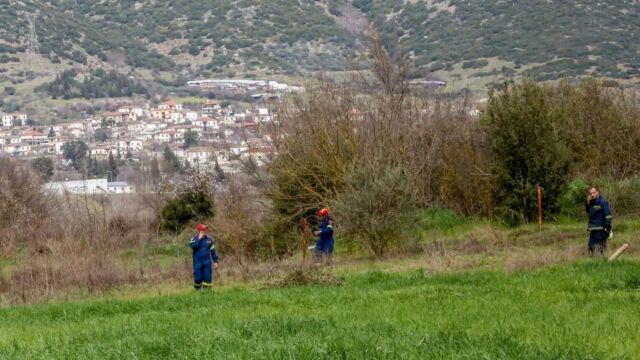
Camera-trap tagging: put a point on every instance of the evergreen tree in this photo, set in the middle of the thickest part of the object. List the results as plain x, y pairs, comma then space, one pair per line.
171, 161
113, 167
51, 133
190, 139
219, 172
155, 171
520, 128
43, 165
76, 152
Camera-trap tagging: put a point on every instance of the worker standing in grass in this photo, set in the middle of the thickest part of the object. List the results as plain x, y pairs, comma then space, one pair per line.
205, 258
324, 244
599, 222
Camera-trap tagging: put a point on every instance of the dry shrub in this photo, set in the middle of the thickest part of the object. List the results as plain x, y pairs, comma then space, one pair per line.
377, 125
237, 220
22, 204
43, 278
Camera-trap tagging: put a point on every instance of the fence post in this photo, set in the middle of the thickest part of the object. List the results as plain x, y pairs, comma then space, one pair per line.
539, 191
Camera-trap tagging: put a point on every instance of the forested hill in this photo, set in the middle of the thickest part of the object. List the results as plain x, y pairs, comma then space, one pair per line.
547, 39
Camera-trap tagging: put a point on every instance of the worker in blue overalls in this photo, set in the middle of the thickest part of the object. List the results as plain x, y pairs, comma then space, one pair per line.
324, 244
599, 222
205, 258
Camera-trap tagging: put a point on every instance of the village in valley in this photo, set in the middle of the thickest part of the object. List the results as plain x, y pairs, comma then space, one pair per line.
211, 134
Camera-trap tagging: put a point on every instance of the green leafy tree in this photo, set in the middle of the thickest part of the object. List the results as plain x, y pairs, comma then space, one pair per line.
220, 175
155, 171
188, 206
519, 125
113, 167
190, 139
102, 134
76, 152
44, 166
171, 161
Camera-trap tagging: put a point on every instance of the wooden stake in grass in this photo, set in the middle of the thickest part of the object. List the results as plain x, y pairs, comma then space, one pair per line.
539, 191
618, 252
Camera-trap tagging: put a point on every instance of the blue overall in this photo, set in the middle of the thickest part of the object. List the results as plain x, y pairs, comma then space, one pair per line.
325, 239
599, 224
204, 255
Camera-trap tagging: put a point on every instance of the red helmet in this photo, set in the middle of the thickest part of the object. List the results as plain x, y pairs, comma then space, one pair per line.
323, 212
201, 227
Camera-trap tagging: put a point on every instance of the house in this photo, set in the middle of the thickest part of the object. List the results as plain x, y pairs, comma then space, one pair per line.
9, 149
135, 110
13, 119
161, 114
33, 137
101, 151
88, 186
113, 116
136, 127
212, 106
198, 155
119, 187
170, 105
165, 136
23, 149
129, 145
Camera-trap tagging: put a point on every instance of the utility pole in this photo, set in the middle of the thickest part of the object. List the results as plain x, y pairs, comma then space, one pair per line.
33, 45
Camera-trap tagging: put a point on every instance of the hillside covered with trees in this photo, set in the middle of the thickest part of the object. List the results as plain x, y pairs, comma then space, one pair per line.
486, 38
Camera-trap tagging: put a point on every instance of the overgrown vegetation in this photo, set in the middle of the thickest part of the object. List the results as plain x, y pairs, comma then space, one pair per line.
97, 84
375, 150
231, 36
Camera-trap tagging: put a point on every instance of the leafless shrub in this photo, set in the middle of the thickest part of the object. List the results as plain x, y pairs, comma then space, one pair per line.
22, 204
238, 216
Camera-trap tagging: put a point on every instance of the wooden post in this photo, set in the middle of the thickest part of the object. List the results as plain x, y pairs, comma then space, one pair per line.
618, 252
539, 190
304, 239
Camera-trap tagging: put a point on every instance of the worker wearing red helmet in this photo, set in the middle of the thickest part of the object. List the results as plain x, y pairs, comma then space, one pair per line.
204, 258
324, 245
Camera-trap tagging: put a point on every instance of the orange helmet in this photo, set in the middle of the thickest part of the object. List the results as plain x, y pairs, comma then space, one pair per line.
323, 212
201, 227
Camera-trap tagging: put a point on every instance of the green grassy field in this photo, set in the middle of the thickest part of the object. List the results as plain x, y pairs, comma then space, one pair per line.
585, 310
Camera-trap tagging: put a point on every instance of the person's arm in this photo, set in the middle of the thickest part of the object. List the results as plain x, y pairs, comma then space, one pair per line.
214, 255
195, 243
607, 215
326, 230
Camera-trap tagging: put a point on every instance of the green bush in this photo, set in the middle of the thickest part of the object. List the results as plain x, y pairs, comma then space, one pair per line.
571, 201
186, 207
519, 125
375, 207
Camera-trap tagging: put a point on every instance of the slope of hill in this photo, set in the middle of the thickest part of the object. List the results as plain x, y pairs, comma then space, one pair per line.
545, 39
459, 38
276, 35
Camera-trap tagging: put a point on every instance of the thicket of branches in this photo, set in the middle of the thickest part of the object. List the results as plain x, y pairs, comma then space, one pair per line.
341, 143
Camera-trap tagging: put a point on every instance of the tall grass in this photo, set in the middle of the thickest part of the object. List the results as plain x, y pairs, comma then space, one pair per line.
583, 311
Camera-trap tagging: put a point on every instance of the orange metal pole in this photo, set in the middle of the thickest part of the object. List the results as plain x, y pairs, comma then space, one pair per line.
539, 190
